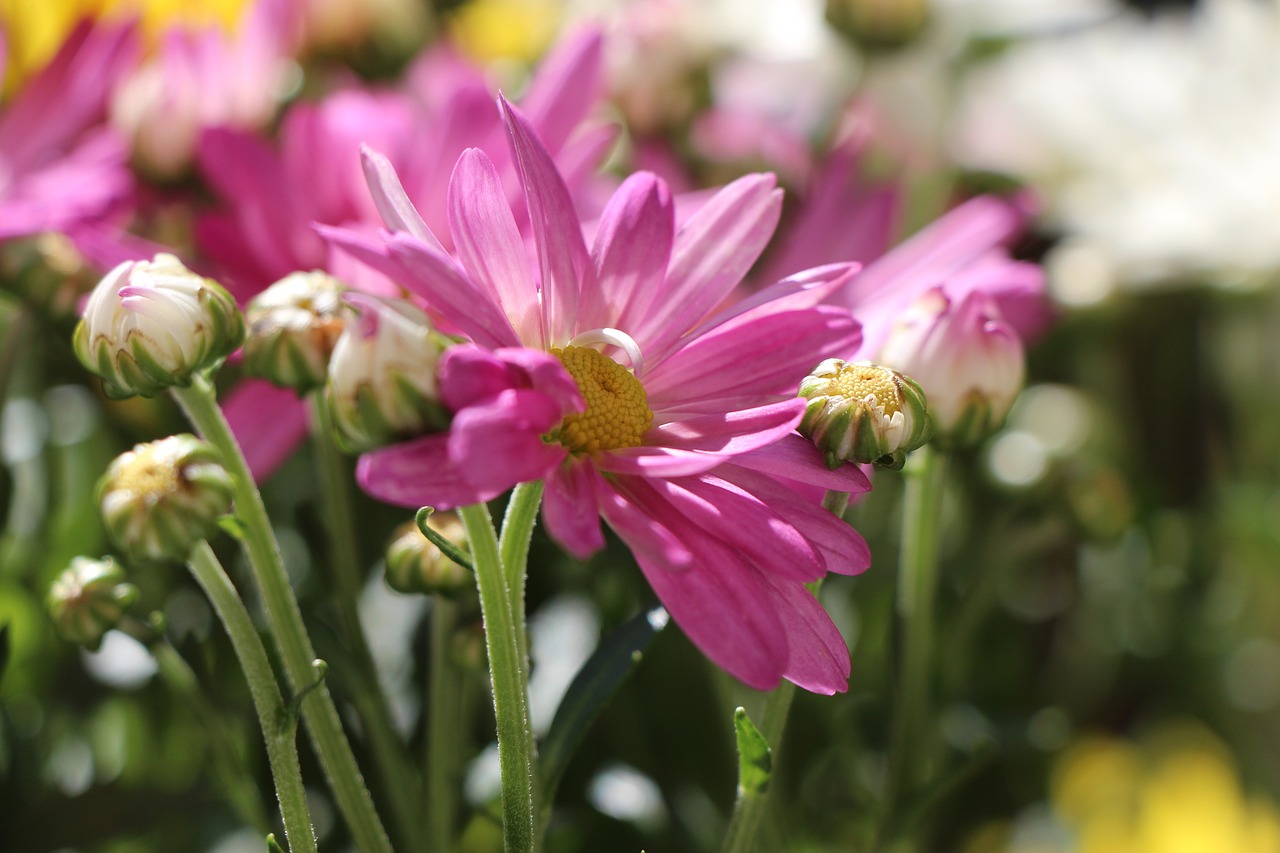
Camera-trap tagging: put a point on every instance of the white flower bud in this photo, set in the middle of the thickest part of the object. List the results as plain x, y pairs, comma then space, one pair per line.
152, 325
862, 412
293, 327
88, 599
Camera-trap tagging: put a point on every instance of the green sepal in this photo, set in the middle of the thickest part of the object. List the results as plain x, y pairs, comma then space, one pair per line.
755, 758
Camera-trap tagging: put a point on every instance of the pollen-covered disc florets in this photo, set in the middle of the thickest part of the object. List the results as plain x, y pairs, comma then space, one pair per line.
293, 327
862, 412
617, 412
161, 498
88, 599
152, 325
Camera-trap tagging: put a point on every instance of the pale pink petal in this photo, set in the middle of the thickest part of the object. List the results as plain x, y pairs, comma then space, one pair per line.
711, 254
269, 424
569, 509
562, 254
631, 251
489, 245
498, 443
567, 85
397, 212
419, 473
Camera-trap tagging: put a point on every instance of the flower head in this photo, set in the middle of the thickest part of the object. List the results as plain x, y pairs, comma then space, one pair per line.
294, 326
967, 359
161, 498
88, 599
862, 412
152, 325
608, 372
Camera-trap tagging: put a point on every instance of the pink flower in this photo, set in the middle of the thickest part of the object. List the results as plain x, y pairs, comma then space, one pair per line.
271, 198
60, 167
606, 372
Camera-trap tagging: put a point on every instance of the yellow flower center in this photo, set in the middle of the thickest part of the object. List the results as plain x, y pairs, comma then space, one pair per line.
858, 381
617, 413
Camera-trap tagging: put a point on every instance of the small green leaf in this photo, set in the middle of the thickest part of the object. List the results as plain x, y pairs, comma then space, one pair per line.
592, 687
755, 758
273, 846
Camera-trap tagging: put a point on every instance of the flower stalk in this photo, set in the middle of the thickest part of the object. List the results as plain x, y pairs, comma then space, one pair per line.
507, 670
285, 619
444, 725
278, 729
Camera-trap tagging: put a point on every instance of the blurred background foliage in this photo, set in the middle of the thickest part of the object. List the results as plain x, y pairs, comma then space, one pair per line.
1109, 635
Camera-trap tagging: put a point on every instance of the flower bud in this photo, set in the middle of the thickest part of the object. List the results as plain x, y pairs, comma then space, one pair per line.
88, 599
416, 565
879, 24
152, 325
862, 412
293, 327
161, 498
382, 375
966, 357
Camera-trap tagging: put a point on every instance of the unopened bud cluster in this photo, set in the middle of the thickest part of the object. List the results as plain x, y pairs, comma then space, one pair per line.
862, 412
293, 327
415, 564
88, 599
152, 325
161, 498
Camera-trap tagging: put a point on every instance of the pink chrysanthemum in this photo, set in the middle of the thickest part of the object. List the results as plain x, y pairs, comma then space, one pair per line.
606, 373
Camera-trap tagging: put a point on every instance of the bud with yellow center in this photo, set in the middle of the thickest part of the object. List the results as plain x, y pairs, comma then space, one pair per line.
161, 498
617, 412
415, 564
152, 325
862, 412
88, 599
293, 327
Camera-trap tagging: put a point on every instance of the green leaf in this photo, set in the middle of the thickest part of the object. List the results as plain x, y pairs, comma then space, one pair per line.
592, 687
450, 550
755, 759
273, 846
233, 526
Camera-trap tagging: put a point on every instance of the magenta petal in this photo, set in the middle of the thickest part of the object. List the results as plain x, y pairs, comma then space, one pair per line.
710, 255
499, 443
796, 458
557, 233
642, 533
632, 247
470, 375
419, 473
658, 461
269, 423
817, 655
569, 509
730, 432
724, 609
489, 245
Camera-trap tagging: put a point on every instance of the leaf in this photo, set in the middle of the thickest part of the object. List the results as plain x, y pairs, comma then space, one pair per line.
755, 758
450, 550
592, 687
273, 846
232, 526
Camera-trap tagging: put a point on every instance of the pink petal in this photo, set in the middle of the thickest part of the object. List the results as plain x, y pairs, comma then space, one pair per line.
569, 509
489, 245
710, 255
632, 247
642, 533
470, 375
419, 473
269, 423
730, 432
566, 86
397, 212
817, 655
796, 458
499, 443
658, 461
562, 254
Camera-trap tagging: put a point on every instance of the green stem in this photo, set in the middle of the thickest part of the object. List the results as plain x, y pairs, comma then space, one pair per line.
402, 783
513, 545
285, 620
744, 826
510, 684
444, 726
911, 738
278, 728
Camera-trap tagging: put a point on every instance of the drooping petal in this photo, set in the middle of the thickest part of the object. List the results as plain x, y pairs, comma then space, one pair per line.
631, 251
471, 375
817, 655
498, 443
557, 234
710, 255
569, 509
269, 423
642, 533
419, 473
489, 245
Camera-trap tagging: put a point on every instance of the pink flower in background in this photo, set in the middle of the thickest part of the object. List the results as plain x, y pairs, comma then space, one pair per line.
61, 169
273, 195
606, 372
204, 78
